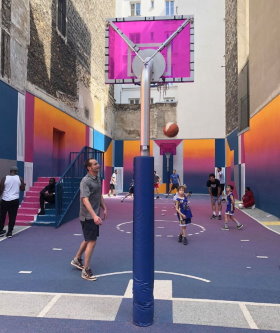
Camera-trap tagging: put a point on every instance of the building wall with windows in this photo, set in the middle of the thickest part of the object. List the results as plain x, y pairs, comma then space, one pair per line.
252, 149
53, 96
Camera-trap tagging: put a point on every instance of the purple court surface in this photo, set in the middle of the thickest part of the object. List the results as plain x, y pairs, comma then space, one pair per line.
222, 281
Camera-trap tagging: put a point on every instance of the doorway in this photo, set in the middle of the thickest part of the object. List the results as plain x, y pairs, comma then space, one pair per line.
58, 156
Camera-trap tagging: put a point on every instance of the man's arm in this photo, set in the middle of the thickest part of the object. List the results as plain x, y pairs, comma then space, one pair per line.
2, 185
97, 220
103, 206
22, 184
45, 189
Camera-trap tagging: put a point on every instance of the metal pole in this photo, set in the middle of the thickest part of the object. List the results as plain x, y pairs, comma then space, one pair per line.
145, 107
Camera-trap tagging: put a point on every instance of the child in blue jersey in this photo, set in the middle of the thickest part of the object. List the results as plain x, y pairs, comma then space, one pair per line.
184, 213
230, 209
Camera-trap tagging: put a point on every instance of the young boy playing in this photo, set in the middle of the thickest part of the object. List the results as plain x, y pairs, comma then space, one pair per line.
184, 213
230, 209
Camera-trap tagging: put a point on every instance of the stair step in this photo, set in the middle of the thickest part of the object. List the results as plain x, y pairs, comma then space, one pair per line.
47, 218
44, 223
30, 204
46, 179
28, 211
22, 217
30, 199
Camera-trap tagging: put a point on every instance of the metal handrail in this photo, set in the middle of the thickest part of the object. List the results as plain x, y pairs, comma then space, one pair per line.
68, 185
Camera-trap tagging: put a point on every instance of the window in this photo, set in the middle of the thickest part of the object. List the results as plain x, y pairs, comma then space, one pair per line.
137, 101
152, 4
61, 17
135, 9
134, 100
169, 99
169, 8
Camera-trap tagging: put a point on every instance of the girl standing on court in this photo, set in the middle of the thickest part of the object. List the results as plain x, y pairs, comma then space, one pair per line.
184, 213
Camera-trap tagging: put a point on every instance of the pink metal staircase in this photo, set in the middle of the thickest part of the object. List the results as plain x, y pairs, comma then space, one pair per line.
30, 205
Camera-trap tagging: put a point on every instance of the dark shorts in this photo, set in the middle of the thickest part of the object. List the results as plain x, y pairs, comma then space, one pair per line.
174, 186
112, 186
90, 230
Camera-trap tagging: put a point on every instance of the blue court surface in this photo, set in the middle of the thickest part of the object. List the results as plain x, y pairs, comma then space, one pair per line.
222, 281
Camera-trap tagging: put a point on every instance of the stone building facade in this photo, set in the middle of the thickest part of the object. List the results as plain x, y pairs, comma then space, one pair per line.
127, 120
231, 66
66, 68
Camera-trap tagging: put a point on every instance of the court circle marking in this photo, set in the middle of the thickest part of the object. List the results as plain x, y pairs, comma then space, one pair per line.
202, 229
158, 272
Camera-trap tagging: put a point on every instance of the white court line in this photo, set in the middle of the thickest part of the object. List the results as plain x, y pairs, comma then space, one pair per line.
57, 249
248, 316
199, 300
244, 240
49, 306
25, 272
262, 257
77, 234
15, 232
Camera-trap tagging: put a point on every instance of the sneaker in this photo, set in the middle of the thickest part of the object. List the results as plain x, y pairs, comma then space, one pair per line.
87, 274
185, 241
42, 212
78, 263
240, 226
2, 233
219, 217
9, 234
158, 197
213, 217
225, 228
180, 238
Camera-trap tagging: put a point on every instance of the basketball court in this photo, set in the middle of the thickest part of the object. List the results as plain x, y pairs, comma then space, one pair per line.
220, 282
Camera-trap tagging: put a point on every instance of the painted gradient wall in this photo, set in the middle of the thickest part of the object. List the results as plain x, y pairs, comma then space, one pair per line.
262, 157
199, 161
56, 134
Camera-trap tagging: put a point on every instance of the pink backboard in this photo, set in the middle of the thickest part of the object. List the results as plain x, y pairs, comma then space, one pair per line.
150, 33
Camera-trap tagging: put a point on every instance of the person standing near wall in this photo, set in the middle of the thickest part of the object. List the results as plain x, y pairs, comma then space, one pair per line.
10, 186
113, 183
156, 184
214, 190
91, 200
221, 178
174, 182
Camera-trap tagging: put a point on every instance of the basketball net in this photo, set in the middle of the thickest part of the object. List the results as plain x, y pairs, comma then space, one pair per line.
162, 87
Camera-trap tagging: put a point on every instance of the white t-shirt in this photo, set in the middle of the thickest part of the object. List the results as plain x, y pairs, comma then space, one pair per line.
11, 189
113, 179
221, 176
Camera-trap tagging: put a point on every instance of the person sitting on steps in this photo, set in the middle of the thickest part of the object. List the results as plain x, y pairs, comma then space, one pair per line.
47, 194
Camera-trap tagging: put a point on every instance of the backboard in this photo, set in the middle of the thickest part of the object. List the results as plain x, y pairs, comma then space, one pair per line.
146, 35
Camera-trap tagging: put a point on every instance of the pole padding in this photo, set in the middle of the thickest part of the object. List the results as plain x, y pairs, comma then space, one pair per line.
143, 241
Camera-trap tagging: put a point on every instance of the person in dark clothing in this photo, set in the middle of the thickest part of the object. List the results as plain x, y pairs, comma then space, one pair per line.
214, 190
47, 194
10, 186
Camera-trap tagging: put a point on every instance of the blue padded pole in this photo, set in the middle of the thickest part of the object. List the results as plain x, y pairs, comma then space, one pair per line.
143, 241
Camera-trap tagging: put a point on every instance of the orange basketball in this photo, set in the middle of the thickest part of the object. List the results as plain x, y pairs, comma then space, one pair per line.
171, 129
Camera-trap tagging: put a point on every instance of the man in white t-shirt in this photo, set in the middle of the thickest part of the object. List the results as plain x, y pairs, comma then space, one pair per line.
10, 186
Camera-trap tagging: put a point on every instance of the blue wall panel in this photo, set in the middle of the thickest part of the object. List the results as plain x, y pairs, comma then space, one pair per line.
8, 122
